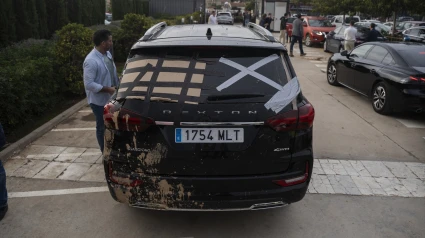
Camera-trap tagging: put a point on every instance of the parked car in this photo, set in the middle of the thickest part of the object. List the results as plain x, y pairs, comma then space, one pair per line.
415, 34
225, 18
192, 128
339, 20
371, 21
400, 27
108, 17
383, 29
401, 19
391, 74
335, 39
315, 29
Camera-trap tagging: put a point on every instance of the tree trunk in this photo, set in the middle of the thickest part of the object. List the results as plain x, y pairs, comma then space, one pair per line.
394, 21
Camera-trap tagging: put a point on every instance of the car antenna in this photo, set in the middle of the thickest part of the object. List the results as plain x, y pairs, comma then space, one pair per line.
209, 34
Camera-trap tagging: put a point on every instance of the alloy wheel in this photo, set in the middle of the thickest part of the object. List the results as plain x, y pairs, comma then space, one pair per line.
332, 74
379, 97
308, 41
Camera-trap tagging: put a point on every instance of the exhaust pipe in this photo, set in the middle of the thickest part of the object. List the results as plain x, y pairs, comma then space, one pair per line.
420, 110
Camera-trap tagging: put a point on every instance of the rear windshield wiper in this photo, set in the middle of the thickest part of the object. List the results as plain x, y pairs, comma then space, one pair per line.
233, 96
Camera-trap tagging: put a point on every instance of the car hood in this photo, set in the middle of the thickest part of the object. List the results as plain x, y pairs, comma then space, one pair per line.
323, 29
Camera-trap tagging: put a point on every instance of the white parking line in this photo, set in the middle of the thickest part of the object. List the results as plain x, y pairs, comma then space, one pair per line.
83, 111
76, 129
412, 123
321, 65
57, 192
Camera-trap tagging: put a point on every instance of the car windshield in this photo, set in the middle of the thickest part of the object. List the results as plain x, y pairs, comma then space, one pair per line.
319, 23
224, 14
349, 19
414, 55
207, 69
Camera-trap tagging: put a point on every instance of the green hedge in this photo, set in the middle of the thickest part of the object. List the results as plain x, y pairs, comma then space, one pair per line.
28, 81
24, 19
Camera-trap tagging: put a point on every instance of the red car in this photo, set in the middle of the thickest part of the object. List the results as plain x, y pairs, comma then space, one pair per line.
315, 29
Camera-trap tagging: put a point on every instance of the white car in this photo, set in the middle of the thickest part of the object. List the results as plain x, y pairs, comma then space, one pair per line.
225, 18
338, 20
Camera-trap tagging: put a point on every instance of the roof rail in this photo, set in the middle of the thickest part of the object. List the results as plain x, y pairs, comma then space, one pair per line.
153, 30
262, 31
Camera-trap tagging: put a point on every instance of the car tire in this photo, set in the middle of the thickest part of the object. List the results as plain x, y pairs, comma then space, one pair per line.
331, 75
380, 98
308, 42
325, 47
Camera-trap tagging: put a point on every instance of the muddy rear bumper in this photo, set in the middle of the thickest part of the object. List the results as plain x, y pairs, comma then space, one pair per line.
210, 193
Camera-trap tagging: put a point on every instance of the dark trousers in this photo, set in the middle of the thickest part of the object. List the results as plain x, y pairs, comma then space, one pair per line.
300, 41
3, 190
100, 125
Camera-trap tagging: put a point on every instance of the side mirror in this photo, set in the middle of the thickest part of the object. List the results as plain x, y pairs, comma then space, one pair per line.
332, 33
345, 53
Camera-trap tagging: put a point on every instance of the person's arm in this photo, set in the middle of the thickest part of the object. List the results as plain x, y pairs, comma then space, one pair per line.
90, 71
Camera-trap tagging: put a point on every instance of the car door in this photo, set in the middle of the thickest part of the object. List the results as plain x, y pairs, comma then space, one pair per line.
356, 57
331, 41
366, 70
335, 41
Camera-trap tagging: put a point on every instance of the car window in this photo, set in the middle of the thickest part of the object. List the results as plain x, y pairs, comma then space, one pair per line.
224, 14
341, 31
349, 19
291, 20
337, 30
319, 23
338, 20
414, 32
207, 69
414, 55
360, 51
377, 54
421, 32
388, 60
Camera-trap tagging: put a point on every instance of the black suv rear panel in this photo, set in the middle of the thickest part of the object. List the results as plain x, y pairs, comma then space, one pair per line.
147, 168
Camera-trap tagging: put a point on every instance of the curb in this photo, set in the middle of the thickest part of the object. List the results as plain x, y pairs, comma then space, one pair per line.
19, 145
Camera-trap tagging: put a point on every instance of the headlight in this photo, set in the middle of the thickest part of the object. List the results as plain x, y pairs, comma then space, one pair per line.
319, 33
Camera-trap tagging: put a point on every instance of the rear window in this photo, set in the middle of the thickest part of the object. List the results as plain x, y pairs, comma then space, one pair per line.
193, 74
414, 55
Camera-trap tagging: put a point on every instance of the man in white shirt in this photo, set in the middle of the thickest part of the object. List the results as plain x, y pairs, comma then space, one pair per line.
350, 37
213, 19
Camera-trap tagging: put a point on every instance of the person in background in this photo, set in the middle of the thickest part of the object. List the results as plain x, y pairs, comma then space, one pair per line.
212, 20
297, 35
269, 20
350, 37
263, 20
100, 79
283, 22
373, 34
246, 18
3, 191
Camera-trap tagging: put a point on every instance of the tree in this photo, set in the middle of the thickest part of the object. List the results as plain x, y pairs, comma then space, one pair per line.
57, 16
43, 30
7, 23
249, 6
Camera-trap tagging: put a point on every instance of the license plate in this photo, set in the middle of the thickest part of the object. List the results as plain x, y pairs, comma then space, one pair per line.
209, 135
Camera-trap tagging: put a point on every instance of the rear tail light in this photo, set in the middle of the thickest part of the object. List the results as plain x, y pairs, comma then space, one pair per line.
293, 120
123, 119
416, 78
123, 181
293, 181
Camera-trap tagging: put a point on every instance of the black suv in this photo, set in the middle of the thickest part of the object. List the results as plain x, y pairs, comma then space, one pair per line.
208, 117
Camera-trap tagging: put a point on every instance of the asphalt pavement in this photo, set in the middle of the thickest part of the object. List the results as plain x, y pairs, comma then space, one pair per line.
368, 181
